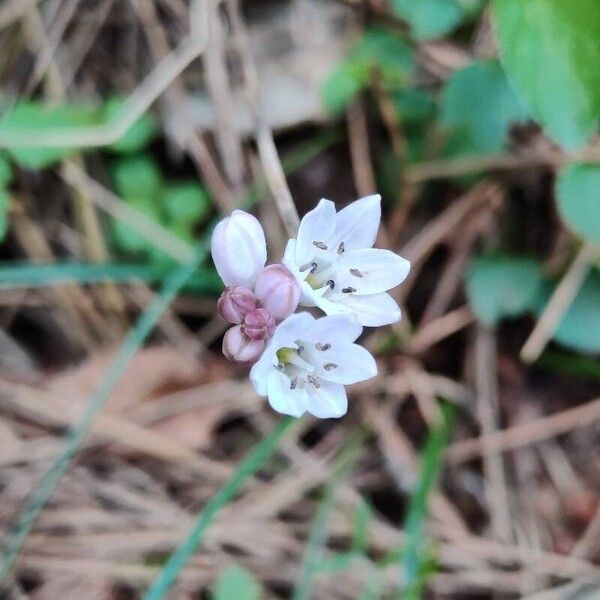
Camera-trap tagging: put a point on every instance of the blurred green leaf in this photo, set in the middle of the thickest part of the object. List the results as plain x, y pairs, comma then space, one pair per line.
582, 367
236, 583
4, 204
185, 203
137, 177
418, 562
429, 18
579, 329
343, 84
501, 286
138, 136
551, 52
6, 173
478, 106
578, 195
34, 115
413, 106
379, 50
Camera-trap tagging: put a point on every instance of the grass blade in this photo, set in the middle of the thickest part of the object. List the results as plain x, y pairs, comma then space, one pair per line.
135, 338
17, 275
415, 555
166, 578
318, 532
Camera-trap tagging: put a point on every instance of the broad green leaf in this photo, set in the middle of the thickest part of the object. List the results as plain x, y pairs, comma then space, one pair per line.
551, 51
236, 583
6, 173
580, 327
35, 116
501, 286
138, 136
413, 106
478, 107
185, 203
137, 177
4, 204
578, 195
429, 18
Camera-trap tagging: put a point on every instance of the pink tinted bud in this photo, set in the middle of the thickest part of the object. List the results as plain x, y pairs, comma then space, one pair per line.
235, 302
277, 291
238, 347
259, 324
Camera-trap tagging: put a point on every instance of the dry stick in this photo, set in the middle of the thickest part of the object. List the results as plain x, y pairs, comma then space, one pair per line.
271, 163
358, 137
132, 108
559, 303
487, 407
437, 330
455, 167
528, 433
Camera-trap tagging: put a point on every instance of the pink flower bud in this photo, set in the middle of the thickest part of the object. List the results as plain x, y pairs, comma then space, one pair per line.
235, 302
238, 249
277, 291
259, 324
238, 347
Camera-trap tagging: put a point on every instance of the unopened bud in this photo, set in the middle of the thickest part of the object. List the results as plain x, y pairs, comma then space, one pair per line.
238, 347
277, 291
259, 324
239, 249
235, 303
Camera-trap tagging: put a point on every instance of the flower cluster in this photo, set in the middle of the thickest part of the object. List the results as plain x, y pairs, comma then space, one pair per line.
302, 363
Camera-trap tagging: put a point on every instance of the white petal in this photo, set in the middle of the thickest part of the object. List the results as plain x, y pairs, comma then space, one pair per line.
286, 333
239, 249
344, 363
328, 401
334, 328
317, 226
282, 398
356, 225
372, 311
370, 270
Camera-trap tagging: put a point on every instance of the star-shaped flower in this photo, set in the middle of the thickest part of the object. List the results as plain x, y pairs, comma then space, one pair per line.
337, 268
308, 361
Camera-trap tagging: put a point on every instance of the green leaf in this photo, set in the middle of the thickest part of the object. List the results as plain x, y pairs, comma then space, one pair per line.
138, 136
578, 195
185, 203
501, 286
343, 85
478, 106
4, 204
579, 328
551, 51
379, 50
429, 18
137, 177
34, 115
413, 106
236, 583
362, 519
6, 173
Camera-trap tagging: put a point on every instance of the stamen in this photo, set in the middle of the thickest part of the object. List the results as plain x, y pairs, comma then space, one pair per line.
313, 267
348, 290
340, 249
320, 245
356, 273
293, 383
322, 347
329, 366
314, 381
330, 283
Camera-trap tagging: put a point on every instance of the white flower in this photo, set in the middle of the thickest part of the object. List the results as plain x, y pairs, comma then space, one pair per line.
239, 249
308, 361
337, 268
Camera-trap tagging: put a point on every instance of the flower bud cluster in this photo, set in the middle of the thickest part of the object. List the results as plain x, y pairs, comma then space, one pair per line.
257, 296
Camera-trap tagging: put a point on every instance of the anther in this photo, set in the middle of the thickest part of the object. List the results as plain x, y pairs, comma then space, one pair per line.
322, 347
329, 366
320, 245
340, 248
348, 290
356, 273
